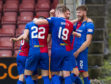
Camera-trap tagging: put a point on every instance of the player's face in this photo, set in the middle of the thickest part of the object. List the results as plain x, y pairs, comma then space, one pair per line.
80, 15
67, 14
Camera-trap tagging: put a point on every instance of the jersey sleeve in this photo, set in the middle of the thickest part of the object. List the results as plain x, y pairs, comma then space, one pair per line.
90, 28
27, 26
74, 27
50, 20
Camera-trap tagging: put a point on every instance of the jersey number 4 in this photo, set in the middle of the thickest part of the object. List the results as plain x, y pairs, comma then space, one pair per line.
36, 34
63, 33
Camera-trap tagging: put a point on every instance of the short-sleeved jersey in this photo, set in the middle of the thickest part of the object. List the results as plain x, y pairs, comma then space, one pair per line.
83, 28
38, 36
61, 33
24, 48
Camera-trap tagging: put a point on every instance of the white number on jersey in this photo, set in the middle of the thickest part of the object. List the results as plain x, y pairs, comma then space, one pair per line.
64, 33
22, 42
36, 34
81, 64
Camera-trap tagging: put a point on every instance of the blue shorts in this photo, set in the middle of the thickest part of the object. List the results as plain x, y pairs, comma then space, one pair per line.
82, 61
37, 60
21, 63
62, 60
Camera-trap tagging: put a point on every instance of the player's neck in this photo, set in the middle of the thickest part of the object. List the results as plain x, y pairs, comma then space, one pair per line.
85, 18
61, 15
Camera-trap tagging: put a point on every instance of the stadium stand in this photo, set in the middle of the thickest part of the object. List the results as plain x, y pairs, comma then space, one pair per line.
11, 6
5, 53
27, 5
25, 17
20, 29
14, 14
5, 43
7, 30
9, 18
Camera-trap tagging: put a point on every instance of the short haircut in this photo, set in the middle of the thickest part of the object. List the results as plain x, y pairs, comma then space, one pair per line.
82, 7
41, 17
62, 8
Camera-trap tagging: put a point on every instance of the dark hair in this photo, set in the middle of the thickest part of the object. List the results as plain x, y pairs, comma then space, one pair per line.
62, 8
82, 7
41, 17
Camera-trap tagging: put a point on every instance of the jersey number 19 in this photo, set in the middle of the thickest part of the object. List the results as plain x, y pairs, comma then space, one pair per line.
63, 33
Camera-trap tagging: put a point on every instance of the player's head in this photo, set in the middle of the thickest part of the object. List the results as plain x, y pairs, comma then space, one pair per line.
67, 13
81, 12
60, 10
41, 17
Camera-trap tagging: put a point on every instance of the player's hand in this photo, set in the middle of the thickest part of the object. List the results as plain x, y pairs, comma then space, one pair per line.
76, 54
13, 39
79, 35
52, 13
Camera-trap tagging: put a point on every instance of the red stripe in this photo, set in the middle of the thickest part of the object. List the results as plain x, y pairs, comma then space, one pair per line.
44, 41
78, 26
68, 26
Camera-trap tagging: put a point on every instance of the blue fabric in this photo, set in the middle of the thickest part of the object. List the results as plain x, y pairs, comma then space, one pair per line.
62, 60
21, 63
73, 77
32, 28
86, 80
78, 81
61, 79
55, 80
68, 80
37, 60
29, 80
46, 80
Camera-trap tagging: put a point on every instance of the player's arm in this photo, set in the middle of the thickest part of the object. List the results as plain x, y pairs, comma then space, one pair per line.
17, 39
49, 38
76, 34
86, 43
26, 34
40, 21
52, 13
90, 31
74, 21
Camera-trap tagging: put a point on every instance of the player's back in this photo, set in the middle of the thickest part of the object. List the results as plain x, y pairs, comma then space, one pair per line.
24, 48
61, 33
38, 36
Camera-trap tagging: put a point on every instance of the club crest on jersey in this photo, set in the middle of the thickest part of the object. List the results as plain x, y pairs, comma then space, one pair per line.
90, 30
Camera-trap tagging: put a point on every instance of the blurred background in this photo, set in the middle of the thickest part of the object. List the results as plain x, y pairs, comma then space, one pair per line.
14, 14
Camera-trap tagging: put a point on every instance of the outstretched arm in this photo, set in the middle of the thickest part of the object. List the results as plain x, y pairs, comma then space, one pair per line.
84, 45
76, 34
40, 21
17, 39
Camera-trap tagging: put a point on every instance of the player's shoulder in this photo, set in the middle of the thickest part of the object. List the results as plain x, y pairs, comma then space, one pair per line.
69, 22
30, 23
89, 20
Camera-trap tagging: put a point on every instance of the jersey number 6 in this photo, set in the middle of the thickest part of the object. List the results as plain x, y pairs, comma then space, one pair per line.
36, 34
64, 33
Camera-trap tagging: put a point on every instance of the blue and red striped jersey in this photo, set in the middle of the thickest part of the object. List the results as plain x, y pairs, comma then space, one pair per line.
38, 36
61, 30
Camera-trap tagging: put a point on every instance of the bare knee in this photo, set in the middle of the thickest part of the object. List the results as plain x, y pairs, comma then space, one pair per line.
21, 77
66, 73
85, 74
76, 71
44, 72
28, 72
